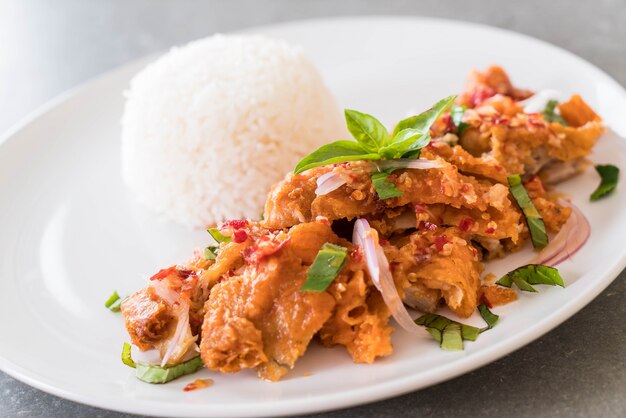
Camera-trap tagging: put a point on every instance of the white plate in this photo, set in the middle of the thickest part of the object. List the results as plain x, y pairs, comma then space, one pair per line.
70, 234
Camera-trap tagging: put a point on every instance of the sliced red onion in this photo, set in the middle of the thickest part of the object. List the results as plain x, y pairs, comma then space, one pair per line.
177, 346
572, 236
165, 292
330, 181
378, 268
420, 164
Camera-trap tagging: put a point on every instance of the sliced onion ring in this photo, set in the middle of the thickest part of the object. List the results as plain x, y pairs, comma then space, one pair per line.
572, 236
330, 181
378, 268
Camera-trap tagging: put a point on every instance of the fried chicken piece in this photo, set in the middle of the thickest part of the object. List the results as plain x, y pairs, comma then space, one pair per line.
259, 318
554, 215
493, 295
482, 85
294, 198
441, 260
148, 318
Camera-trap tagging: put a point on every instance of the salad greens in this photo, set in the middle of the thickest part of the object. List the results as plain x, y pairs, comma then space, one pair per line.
526, 276
608, 175
456, 113
327, 264
536, 226
385, 189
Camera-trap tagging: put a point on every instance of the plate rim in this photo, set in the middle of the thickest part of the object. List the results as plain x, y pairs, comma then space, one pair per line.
354, 397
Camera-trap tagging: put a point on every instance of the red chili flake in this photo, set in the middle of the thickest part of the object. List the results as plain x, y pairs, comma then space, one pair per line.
383, 242
481, 94
465, 188
356, 254
490, 230
184, 273
425, 225
466, 224
264, 247
440, 241
198, 384
163, 273
240, 236
235, 224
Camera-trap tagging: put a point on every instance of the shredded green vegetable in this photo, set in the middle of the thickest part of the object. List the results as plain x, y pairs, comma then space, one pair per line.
526, 276
385, 189
217, 235
609, 175
536, 226
328, 263
114, 302
550, 115
127, 358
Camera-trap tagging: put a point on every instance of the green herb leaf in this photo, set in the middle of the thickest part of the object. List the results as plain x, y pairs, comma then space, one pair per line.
536, 226
526, 276
550, 115
157, 374
367, 130
424, 121
335, 152
328, 263
385, 189
608, 175
217, 235
127, 358
456, 113
210, 253
489, 317
450, 334
114, 302
408, 140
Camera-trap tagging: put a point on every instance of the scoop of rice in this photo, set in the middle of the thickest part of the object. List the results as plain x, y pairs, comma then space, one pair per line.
210, 126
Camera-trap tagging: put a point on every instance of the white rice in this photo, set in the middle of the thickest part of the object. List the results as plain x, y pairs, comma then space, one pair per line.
210, 126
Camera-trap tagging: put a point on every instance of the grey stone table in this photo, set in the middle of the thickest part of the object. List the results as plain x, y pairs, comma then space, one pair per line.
579, 369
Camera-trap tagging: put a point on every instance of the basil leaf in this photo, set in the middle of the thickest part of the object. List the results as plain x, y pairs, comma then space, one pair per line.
335, 152
210, 253
405, 141
608, 181
456, 113
385, 189
489, 317
127, 358
217, 235
424, 121
448, 333
550, 115
367, 130
114, 302
327, 264
157, 374
526, 276
536, 226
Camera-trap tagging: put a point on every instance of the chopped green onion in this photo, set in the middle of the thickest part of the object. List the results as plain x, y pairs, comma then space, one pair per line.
328, 263
210, 252
489, 317
127, 358
524, 277
550, 115
536, 226
114, 302
608, 175
385, 189
157, 374
451, 338
456, 113
217, 235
